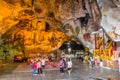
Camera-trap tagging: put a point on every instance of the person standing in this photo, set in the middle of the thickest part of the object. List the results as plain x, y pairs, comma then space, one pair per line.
39, 67
81, 58
69, 66
43, 63
61, 64
34, 67
64, 61
91, 61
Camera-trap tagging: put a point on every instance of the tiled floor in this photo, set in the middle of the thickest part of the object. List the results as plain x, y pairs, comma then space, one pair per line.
79, 72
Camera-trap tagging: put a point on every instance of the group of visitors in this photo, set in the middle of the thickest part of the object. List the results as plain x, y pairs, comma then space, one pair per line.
65, 64
37, 66
88, 59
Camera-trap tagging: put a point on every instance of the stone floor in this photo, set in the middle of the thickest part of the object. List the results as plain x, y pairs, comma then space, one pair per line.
22, 71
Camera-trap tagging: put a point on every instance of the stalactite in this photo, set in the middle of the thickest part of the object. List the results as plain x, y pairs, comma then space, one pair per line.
83, 5
72, 8
32, 2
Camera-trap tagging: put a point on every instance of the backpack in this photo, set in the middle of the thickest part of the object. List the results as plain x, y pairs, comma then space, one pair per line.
64, 63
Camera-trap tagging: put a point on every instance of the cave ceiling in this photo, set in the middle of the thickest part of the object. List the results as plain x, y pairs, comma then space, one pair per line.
44, 22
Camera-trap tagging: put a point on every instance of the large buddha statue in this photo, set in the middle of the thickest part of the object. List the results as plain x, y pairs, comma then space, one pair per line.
41, 40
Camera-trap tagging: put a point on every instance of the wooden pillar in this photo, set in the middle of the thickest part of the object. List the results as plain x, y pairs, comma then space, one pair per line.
115, 46
103, 40
95, 40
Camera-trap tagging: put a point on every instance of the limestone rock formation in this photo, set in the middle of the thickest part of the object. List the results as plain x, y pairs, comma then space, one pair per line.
19, 19
111, 18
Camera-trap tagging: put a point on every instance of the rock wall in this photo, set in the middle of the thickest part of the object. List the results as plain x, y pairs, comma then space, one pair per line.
111, 18
76, 18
